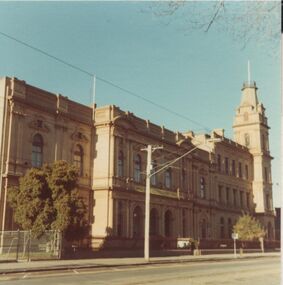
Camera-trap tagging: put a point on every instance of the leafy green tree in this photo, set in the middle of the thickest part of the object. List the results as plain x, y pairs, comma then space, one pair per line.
248, 228
47, 198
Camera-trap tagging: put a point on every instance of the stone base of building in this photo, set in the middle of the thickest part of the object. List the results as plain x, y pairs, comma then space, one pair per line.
162, 243
111, 242
114, 247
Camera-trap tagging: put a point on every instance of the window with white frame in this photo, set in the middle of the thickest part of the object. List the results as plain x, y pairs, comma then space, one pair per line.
168, 178
202, 187
247, 140
226, 165
78, 158
153, 178
137, 168
121, 164
37, 151
222, 228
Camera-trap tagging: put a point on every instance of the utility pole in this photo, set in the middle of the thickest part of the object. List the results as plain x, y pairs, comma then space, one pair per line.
235, 236
150, 149
147, 203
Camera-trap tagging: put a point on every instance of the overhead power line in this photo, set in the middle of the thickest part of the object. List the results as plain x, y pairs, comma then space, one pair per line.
47, 54
91, 74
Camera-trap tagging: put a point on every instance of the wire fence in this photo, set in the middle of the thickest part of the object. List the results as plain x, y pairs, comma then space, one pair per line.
20, 245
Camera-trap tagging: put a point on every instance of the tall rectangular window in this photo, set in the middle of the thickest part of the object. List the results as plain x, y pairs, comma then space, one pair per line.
247, 140
233, 168
168, 178
226, 165
78, 158
219, 162
37, 151
263, 142
267, 201
248, 200
222, 228
184, 222
220, 193
137, 168
184, 184
120, 219
202, 187
227, 195
265, 174
153, 178
235, 197
240, 170
241, 199
121, 164
247, 171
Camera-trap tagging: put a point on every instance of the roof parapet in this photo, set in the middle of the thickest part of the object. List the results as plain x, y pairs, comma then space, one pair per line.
217, 133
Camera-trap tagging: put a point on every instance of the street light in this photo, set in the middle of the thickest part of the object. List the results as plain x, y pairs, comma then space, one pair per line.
150, 149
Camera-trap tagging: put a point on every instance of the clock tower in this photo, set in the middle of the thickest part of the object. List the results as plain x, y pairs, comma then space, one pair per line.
251, 130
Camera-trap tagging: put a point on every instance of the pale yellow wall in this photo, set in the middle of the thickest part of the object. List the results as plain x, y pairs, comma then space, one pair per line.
113, 130
29, 104
2, 113
250, 119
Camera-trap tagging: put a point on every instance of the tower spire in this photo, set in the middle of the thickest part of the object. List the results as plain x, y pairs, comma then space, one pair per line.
93, 96
249, 73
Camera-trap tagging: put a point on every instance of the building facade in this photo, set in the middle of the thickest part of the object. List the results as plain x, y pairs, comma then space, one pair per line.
278, 224
201, 196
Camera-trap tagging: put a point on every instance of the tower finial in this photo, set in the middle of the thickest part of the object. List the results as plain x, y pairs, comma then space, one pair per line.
93, 96
249, 72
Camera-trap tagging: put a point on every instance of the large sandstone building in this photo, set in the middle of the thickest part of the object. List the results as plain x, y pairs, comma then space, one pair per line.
201, 196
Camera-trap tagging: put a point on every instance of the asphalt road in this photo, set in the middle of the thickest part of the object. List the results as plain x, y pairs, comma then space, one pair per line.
245, 272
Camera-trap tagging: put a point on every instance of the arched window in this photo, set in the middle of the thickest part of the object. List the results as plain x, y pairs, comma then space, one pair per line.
247, 140
168, 223
37, 151
137, 222
137, 168
78, 158
230, 228
121, 164
266, 142
269, 231
153, 222
168, 178
184, 223
222, 228
203, 229
202, 187
263, 142
267, 202
120, 222
154, 177
184, 184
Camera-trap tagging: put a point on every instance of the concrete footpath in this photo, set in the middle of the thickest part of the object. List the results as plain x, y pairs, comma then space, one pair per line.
51, 265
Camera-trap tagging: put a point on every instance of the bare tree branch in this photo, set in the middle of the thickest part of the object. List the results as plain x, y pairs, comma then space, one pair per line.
245, 21
220, 6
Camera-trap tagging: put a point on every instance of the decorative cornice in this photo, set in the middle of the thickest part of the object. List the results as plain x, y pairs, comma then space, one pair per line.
79, 136
39, 125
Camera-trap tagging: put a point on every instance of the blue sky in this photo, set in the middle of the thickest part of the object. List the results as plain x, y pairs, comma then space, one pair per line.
197, 74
